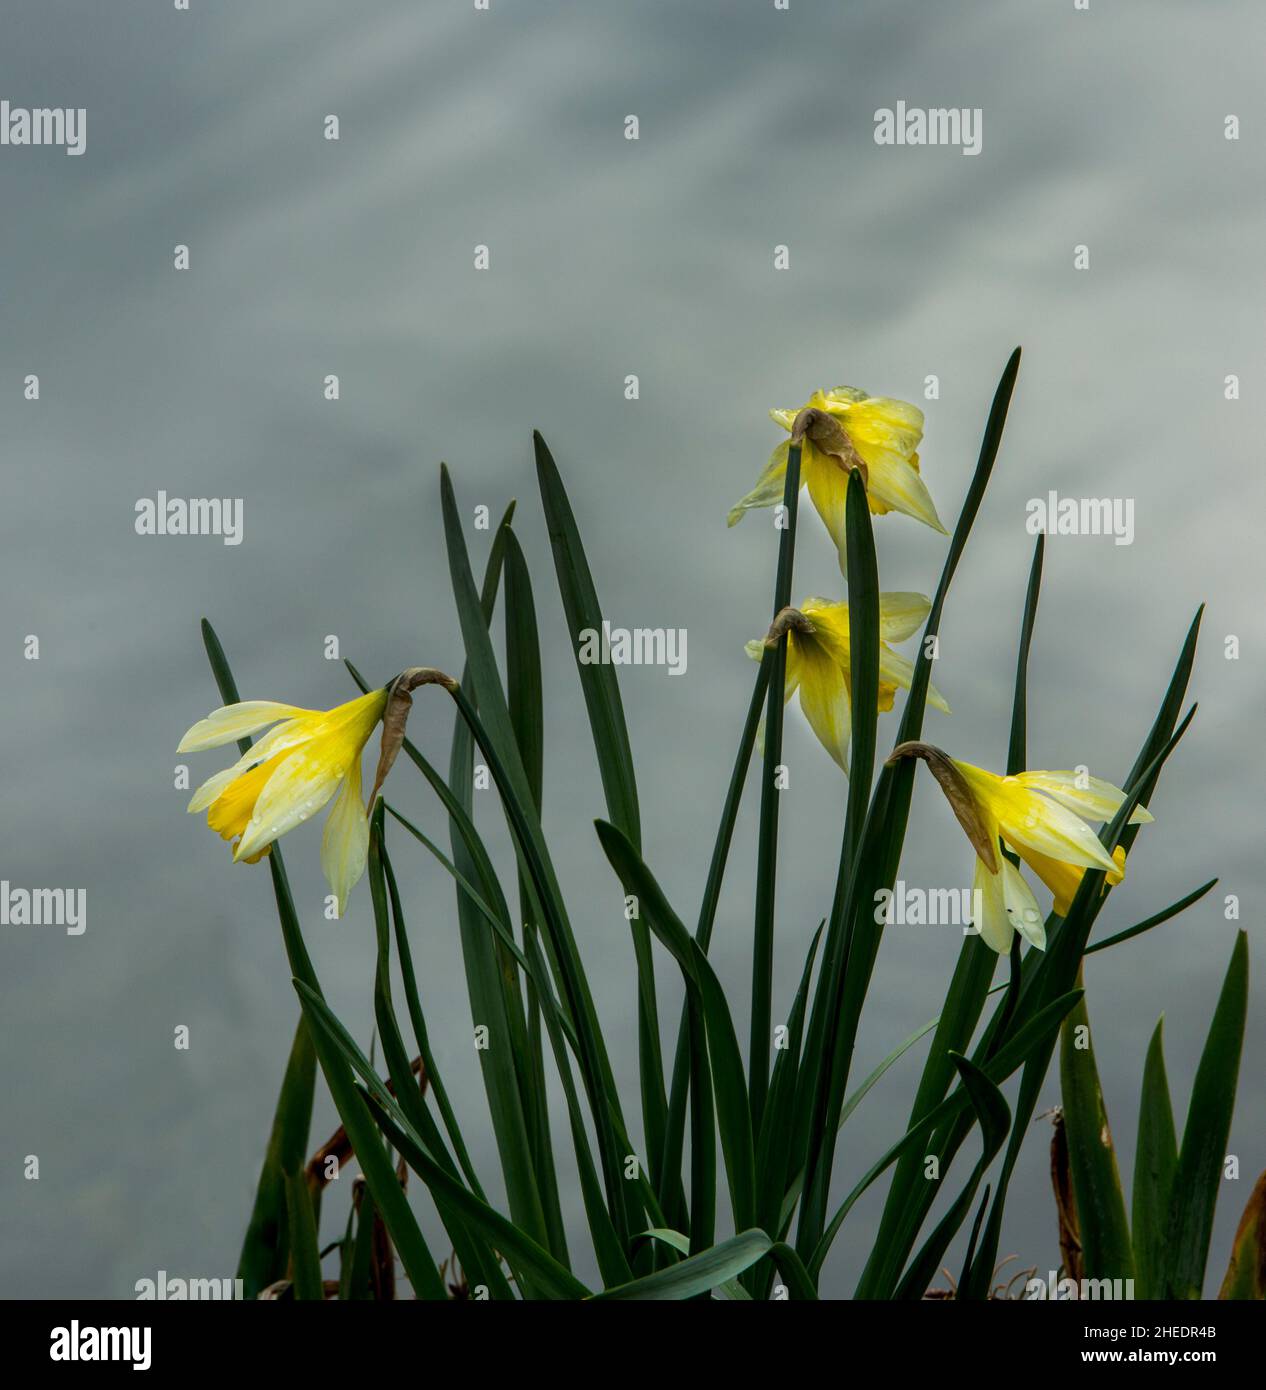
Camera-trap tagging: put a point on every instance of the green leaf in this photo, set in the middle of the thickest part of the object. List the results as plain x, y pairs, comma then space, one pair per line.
863, 639
734, 1116
1203, 1150
305, 1260
703, 1158
772, 1150
1155, 1160
489, 721
1107, 1250
610, 738
598, 680
1036, 1033
700, 1273
1154, 921
994, 1117
909, 1196
478, 1260
852, 935
525, 701
548, 1275
1017, 748
760, 1039
491, 982
265, 1250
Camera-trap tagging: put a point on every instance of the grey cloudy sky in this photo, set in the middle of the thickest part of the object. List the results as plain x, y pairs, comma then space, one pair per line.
608, 257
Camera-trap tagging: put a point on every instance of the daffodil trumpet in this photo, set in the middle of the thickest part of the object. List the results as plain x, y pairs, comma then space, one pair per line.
1042, 817
297, 767
840, 431
819, 662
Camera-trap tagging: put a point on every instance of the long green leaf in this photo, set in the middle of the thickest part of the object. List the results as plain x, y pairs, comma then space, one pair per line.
1155, 920
734, 1116
700, 1273
839, 998
702, 1150
598, 680
760, 1040
548, 1275
1036, 1033
1203, 1151
1107, 1250
525, 701
489, 721
994, 1117
1155, 1160
265, 1249
908, 1198
305, 1261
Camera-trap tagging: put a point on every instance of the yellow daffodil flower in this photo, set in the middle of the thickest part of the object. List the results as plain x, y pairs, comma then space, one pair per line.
288, 776
840, 430
819, 663
1040, 816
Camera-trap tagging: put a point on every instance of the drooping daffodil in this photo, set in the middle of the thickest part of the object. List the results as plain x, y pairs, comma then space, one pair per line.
819, 662
840, 430
294, 770
1040, 816
288, 776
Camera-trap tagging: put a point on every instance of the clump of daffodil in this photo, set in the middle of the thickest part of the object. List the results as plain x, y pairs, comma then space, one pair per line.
1040, 816
838, 431
296, 768
819, 664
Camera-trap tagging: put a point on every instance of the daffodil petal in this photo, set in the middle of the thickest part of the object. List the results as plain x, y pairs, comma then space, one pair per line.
894, 669
769, 487
844, 395
902, 615
231, 722
830, 628
1064, 879
211, 789
1021, 906
824, 700
881, 421
297, 790
827, 481
1097, 800
991, 921
893, 480
345, 841
1035, 822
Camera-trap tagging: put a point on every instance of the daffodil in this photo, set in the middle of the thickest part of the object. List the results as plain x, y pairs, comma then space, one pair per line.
288, 776
819, 664
840, 430
1039, 816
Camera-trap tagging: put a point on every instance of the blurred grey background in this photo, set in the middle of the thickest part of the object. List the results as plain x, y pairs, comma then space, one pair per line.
608, 258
